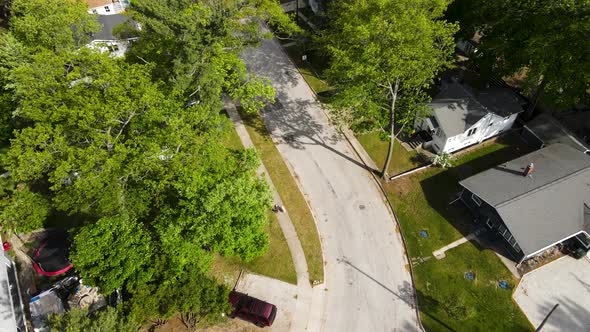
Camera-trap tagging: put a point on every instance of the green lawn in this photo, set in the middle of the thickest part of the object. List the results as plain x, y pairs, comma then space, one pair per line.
292, 197
230, 137
275, 263
310, 69
401, 160
446, 299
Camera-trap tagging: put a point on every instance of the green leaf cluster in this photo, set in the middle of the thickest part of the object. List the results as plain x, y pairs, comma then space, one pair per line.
545, 41
76, 320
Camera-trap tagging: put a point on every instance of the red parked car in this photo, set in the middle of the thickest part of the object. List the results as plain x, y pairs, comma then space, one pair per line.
251, 309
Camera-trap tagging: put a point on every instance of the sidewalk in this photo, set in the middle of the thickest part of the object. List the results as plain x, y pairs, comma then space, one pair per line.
304, 290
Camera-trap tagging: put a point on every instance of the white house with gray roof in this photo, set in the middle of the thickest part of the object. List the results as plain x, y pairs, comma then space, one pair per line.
462, 116
536, 201
106, 41
107, 7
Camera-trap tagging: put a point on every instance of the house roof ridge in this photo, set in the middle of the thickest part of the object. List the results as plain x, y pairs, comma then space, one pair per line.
530, 192
473, 97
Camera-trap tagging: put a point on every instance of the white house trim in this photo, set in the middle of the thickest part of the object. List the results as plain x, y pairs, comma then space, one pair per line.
549, 246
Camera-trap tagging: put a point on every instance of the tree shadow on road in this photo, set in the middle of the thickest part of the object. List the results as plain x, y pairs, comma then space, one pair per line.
569, 315
291, 121
404, 292
274, 62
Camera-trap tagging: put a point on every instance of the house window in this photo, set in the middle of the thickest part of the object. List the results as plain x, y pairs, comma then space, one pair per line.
512, 241
501, 229
471, 131
107, 9
490, 223
476, 199
507, 236
516, 247
94, 11
438, 132
113, 48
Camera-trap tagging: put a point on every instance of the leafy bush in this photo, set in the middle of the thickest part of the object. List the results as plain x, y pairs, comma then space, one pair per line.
443, 160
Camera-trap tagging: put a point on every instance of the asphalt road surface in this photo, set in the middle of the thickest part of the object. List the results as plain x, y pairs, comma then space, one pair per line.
367, 285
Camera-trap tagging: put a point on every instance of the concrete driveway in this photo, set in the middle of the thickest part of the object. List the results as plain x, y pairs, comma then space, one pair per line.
565, 281
367, 284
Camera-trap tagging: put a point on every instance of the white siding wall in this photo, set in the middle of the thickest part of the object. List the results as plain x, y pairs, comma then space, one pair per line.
102, 10
113, 8
489, 126
439, 140
116, 48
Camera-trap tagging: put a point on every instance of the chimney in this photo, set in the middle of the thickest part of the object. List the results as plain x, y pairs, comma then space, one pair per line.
529, 169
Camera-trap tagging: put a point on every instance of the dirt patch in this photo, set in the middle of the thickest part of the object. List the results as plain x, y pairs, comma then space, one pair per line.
175, 325
401, 185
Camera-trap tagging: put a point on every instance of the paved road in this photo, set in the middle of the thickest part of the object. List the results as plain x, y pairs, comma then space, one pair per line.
367, 285
565, 281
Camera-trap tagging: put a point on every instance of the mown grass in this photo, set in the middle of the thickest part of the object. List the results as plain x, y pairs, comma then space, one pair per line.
311, 68
291, 196
275, 263
401, 160
447, 301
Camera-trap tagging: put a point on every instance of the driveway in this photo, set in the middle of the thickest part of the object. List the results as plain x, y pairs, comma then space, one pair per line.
565, 281
367, 285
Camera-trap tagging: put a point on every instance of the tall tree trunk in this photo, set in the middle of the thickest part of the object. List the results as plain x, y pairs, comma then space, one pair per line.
393, 90
535, 100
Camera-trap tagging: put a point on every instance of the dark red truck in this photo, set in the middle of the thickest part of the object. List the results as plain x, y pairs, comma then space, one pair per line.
251, 309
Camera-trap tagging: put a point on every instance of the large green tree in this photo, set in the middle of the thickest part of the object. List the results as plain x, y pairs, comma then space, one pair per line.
130, 147
22, 210
195, 46
113, 252
53, 24
384, 54
109, 143
545, 40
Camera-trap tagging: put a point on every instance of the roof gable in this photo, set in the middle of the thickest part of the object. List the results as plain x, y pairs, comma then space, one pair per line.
458, 108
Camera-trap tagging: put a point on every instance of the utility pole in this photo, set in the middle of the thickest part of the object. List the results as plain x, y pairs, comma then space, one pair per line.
546, 318
297, 12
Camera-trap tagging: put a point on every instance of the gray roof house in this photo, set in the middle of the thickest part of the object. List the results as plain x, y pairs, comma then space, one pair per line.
536, 201
106, 41
462, 116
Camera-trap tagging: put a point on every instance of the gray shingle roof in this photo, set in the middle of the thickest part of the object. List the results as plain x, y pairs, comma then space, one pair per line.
546, 128
457, 107
108, 22
544, 208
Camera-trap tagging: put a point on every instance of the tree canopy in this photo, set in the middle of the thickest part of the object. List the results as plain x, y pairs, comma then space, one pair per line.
195, 46
383, 55
76, 320
129, 147
545, 40
53, 24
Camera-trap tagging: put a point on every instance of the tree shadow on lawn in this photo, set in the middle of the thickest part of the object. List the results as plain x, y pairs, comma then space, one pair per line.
429, 305
442, 189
